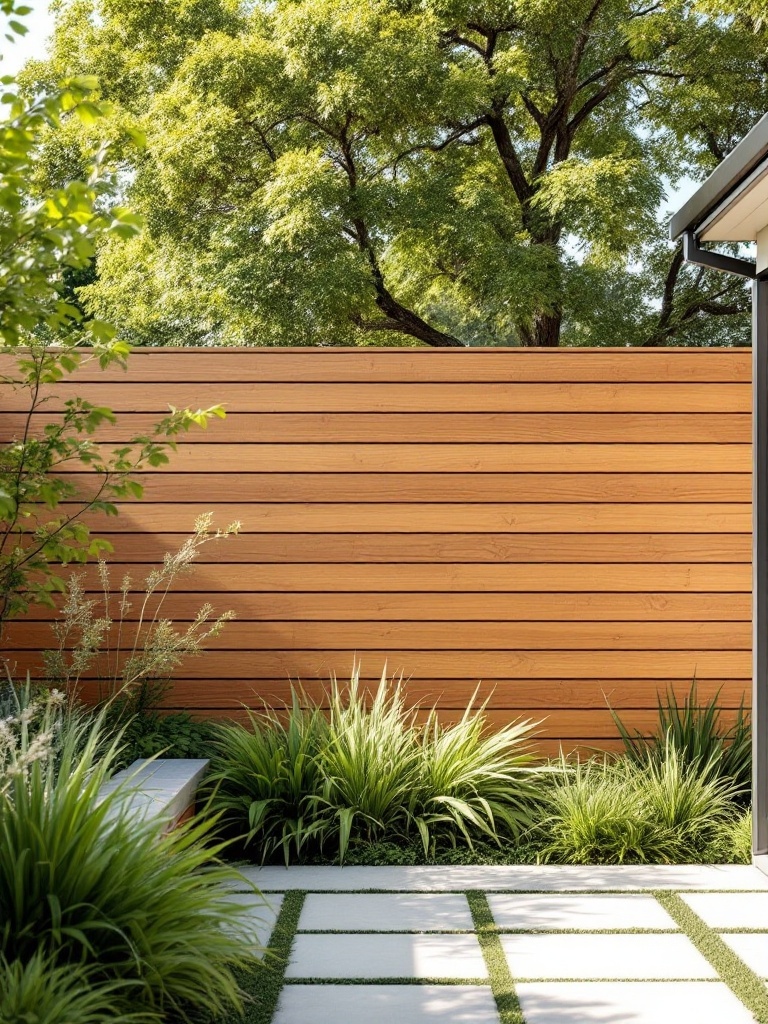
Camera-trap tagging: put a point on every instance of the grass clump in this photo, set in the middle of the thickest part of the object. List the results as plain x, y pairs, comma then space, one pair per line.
39, 991
621, 811
91, 892
265, 777
306, 783
695, 731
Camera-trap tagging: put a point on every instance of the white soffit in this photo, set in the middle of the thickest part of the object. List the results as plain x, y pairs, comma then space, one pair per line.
741, 218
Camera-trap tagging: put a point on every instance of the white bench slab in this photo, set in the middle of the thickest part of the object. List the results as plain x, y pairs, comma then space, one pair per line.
163, 788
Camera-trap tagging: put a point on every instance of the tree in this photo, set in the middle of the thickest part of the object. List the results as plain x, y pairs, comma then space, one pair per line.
44, 337
436, 172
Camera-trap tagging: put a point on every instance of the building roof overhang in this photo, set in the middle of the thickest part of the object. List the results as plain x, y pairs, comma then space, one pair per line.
732, 204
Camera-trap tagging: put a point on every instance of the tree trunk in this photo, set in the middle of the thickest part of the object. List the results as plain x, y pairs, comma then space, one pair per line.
544, 332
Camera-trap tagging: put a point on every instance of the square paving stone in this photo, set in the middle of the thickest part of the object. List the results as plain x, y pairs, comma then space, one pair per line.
626, 1002
604, 956
730, 909
386, 956
542, 913
753, 950
386, 912
383, 1004
259, 914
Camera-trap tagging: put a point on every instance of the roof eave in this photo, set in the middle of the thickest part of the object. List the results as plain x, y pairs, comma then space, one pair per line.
724, 181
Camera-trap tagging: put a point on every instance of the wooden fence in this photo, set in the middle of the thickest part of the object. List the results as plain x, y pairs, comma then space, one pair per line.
566, 528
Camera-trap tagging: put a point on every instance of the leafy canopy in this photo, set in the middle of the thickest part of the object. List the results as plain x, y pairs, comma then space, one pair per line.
445, 172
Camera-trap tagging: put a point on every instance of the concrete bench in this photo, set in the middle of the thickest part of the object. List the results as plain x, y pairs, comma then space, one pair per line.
161, 788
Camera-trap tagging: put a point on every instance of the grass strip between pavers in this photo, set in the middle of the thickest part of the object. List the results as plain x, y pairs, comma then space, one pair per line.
742, 981
502, 985
263, 986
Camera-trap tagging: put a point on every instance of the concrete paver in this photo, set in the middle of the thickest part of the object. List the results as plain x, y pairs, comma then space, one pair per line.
538, 913
753, 950
590, 957
515, 877
383, 1004
259, 914
730, 909
386, 956
624, 1002
386, 912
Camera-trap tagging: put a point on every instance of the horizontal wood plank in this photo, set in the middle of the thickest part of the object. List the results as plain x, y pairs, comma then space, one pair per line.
329, 578
404, 398
452, 607
365, 635
432, 428
287, 548
619, 365
502, 694
467, 665
376, 517
430, 487
459, 458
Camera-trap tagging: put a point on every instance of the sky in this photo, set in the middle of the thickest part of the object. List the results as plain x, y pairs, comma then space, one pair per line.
17, 53
40, 25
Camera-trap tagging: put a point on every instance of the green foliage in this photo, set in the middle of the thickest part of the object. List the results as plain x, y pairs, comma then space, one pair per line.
733, 843
696, 734
150, 734
294, 784
86, 886
616, 812
340, 171
39, 990
46, 234
266, 777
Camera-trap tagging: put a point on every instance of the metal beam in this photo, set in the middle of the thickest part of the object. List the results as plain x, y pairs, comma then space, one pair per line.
760, 567
693, 253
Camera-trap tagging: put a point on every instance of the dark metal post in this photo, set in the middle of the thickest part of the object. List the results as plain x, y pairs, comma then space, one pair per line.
760, 567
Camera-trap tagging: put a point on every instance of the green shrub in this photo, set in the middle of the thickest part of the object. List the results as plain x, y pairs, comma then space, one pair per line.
594, 816
173, 735
733, 842
370, 765
615, 812
42, 992
472, 781
695, 731
84, 883
265, 777
299, 784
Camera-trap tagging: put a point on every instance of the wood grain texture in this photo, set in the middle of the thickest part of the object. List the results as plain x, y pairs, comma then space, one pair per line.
286, 548
328, 578
469, 665
406, 397
363, 635
437, 487
435, 428
423, 365
543, 695
444, 517
376, 606
562, 529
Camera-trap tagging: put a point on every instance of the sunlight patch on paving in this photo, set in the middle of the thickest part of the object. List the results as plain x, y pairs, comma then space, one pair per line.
386, 1004
596, 912
386, 912
386, 956
630, 1003
604, 956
